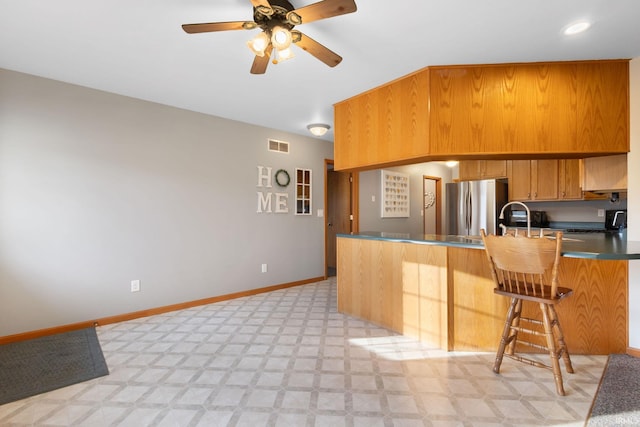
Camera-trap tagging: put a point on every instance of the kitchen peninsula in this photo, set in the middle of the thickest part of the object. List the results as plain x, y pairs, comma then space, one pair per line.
438, 289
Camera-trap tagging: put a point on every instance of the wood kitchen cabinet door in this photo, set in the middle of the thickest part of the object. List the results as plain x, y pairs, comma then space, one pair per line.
544, 179
569, 179
470, 170
605, 173
533, 179
519, 175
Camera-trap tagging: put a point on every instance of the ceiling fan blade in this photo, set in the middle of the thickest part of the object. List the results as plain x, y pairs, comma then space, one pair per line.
261, 4
325, 9
324, 54
260, 63
217, 26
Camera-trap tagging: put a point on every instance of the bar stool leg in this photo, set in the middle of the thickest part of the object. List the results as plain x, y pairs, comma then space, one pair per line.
562, 346
551, 344
504, 339
515, 324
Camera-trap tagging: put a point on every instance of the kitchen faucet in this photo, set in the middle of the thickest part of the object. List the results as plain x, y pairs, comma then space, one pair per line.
504, 228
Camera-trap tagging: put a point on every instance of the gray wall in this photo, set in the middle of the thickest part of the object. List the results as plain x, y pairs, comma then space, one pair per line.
98, 189
370, 218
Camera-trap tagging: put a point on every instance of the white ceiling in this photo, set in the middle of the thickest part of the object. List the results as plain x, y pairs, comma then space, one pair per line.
138, 49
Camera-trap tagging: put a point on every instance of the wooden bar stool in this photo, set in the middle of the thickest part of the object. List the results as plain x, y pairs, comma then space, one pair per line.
526, 269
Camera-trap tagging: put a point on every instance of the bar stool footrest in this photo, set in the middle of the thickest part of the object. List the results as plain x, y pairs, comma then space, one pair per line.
528, 361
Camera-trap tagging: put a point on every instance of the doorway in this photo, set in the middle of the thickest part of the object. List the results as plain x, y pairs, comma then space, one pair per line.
432, 204
341, 216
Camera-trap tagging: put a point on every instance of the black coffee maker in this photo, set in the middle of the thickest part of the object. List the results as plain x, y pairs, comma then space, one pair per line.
615, 219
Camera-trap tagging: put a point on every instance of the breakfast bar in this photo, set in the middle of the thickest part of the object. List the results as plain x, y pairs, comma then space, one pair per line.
438, 288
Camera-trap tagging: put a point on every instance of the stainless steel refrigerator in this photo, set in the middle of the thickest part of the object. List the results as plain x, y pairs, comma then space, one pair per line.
473, 205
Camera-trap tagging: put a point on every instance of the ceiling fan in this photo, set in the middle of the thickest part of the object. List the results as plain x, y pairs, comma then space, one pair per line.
277, 18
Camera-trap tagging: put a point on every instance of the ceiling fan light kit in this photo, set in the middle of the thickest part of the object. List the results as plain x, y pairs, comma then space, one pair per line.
283, 55
276, 19
259, 43
318, 129
281, 38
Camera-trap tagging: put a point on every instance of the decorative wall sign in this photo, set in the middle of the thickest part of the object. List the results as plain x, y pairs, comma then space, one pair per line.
267, 199
395, 194
282, 178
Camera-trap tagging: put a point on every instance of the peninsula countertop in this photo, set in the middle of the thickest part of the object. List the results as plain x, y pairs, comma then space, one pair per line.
604, 246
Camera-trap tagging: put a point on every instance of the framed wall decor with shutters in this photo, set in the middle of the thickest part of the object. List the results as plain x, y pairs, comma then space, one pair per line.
303, 191
395, 195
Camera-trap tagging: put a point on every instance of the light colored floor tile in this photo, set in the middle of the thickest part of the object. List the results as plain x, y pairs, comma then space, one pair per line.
178, 418
296, 400
287, 358
215, 418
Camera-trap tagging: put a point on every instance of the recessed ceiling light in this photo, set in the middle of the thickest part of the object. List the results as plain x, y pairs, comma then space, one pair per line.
577, 27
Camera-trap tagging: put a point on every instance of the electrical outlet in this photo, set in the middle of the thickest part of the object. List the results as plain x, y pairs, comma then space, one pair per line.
600, 213
264, 268
135, 286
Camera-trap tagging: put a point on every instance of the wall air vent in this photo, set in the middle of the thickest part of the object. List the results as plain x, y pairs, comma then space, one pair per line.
278, 146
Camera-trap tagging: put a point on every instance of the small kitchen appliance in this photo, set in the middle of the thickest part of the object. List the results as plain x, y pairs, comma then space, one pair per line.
518, 218
615, 219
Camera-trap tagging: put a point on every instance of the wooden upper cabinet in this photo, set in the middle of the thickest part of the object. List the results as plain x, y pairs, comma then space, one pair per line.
355, 122
607, 173
482, 169
533, 179
384, 125
523, 108
548, 179
603, 107
556, 109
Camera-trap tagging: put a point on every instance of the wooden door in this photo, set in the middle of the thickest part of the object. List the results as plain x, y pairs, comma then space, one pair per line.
338, 214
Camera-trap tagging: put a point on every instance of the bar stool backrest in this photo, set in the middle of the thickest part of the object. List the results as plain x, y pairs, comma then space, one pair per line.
524, 265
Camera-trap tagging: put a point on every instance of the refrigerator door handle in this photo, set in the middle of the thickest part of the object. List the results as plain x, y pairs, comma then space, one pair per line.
470, 212
467, 210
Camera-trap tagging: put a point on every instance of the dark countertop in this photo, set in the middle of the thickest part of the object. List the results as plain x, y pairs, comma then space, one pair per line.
605, 246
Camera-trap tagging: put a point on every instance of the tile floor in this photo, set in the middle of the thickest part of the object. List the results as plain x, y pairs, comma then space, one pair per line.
287, 358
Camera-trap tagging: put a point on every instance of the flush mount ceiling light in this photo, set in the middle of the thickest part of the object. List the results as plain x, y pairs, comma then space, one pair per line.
577, 27
318, 129
451, 163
